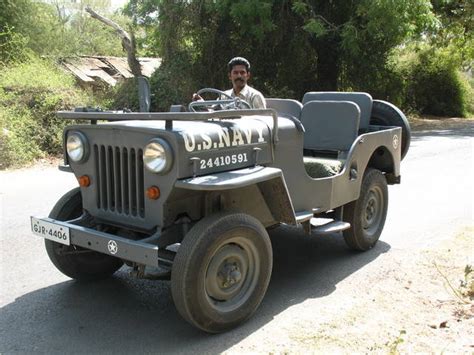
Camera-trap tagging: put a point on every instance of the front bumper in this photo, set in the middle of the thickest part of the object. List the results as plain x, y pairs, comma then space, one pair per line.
138, 251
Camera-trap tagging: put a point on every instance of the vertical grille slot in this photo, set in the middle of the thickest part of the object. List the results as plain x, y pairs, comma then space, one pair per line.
109, 167
140, 185
125, 197
132, 182
120, 180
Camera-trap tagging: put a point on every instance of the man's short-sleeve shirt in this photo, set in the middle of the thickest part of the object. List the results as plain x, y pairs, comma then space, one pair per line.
249, 94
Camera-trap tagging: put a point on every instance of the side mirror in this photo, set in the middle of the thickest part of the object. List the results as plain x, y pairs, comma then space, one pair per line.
144, 94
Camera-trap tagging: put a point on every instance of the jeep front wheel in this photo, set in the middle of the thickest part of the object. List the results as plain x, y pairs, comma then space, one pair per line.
75, 262
367, 214
221, 271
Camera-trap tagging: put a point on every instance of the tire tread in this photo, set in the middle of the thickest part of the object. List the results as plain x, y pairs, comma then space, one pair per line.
352, 236
191, 245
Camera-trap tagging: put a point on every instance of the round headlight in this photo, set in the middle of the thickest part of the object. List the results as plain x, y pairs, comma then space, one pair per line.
157, 156
76, 146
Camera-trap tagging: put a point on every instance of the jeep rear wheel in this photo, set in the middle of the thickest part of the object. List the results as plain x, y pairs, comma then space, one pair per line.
367, 214
221, 271
75, 262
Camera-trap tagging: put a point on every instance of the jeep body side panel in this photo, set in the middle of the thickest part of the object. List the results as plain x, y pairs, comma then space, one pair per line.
330, 192
346, 187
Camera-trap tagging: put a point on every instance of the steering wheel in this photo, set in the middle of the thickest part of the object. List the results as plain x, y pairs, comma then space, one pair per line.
230, 103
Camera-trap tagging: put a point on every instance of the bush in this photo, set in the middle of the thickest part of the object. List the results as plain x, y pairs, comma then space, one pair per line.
435, 86
30, 94
125, 95
13, 46
16, 146
173, 83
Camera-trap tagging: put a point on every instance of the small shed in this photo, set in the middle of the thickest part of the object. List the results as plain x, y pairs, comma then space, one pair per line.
91, 70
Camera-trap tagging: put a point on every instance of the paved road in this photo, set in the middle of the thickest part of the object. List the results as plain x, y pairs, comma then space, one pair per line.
43, 311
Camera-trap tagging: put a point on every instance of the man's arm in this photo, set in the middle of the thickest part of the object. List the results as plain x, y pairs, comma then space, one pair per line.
258, 101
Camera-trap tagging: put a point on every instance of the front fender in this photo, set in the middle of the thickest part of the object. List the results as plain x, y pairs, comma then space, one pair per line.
270, 183
229, 179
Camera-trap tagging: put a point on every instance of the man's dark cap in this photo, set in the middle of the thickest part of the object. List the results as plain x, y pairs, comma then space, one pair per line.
238, 61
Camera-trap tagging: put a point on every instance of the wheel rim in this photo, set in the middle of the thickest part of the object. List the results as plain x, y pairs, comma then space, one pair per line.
373, 211
232, 274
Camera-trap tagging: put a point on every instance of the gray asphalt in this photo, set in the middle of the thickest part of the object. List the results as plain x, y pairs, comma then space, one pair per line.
43, 311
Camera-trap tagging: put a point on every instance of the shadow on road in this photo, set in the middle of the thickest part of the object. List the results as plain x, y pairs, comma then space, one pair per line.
123, 315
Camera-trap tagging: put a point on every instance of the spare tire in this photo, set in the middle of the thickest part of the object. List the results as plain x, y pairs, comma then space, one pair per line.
386, 114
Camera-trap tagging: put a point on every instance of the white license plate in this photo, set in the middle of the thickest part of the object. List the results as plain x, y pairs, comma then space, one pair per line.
50, 231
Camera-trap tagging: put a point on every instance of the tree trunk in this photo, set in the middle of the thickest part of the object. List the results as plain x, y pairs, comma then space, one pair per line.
128, 41
328, 64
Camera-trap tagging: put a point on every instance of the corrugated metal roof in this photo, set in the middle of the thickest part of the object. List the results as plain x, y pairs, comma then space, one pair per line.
110, 70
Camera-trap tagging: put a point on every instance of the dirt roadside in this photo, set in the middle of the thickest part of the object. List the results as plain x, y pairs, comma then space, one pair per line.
405, 305
423, 123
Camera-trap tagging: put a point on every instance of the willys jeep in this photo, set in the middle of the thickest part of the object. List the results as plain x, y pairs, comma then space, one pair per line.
188, 195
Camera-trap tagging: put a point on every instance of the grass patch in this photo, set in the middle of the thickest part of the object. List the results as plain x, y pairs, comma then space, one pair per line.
30, 94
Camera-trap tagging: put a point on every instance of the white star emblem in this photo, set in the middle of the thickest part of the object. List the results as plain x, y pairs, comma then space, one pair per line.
395, 142
112, 246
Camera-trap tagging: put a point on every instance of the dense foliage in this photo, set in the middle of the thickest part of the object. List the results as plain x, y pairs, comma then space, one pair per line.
297, 45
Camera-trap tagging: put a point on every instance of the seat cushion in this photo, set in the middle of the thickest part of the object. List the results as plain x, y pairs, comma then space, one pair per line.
322, 167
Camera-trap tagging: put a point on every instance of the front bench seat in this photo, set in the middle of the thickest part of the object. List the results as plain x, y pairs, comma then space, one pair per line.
330, 126
362, 99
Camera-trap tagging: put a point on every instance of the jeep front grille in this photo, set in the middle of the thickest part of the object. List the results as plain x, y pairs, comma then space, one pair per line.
119, 173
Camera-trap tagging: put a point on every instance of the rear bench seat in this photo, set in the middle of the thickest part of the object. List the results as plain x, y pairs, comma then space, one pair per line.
330, 127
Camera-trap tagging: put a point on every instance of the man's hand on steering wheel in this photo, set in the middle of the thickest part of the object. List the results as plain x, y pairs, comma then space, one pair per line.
197, 97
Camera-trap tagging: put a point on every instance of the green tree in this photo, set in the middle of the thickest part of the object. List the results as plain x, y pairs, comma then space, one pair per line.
12, 16
56, 29
354, 39
456, 32
294, 45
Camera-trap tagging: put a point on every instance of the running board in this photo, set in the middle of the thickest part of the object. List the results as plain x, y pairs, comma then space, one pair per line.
328, 228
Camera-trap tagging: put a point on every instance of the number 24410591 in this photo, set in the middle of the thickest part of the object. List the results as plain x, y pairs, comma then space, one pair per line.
223, 161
